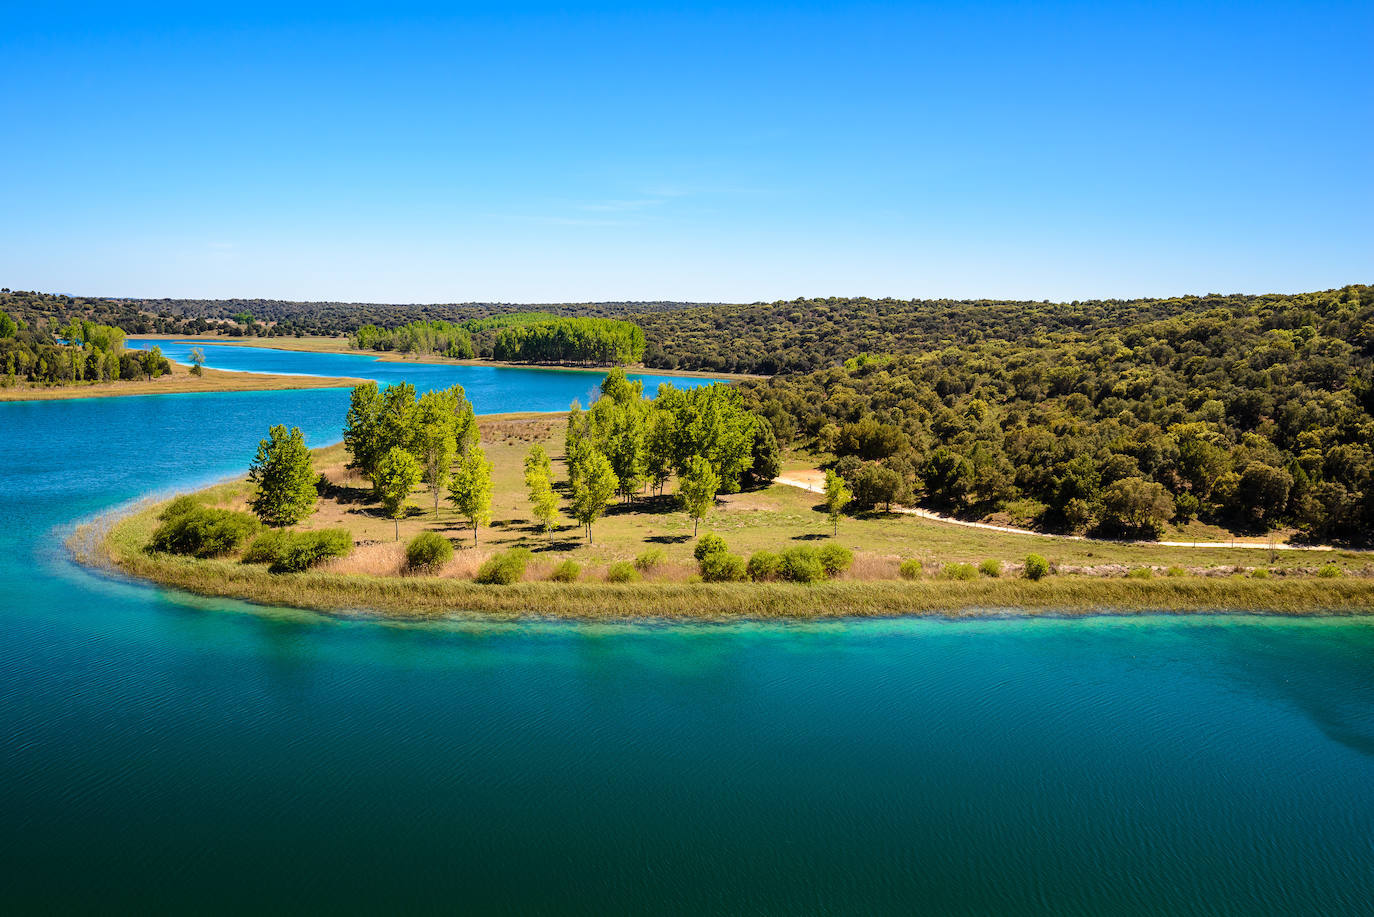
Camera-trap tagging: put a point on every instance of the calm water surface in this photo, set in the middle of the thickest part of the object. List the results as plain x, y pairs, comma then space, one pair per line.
159, 751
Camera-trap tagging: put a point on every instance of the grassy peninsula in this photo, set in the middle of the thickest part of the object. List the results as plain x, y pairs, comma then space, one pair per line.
1087, 576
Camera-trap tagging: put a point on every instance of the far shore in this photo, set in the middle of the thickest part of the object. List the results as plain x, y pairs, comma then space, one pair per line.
179, 381
321, 344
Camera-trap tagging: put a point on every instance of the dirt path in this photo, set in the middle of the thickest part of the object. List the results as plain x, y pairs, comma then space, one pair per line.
814, 481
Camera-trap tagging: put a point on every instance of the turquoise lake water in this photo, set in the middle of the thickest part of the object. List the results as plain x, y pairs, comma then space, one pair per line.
171, 753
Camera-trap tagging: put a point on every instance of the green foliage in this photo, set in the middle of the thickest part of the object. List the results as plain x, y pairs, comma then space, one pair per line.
959, 572
1036, 567
622, 571
470, 489
566, 572
763, 565
180, 506
723, 567
911, 569
835, 559
8, 326
697, 490
204, 532
1175, 571
539, 482
649, 560
991, 567
438, 427
1134, 505
424, 337
1140, 573
800, 564
284, 474
428, 551
395, 477
570, 340
1259, 573
1330, 571
708, 544
504, 568
766, 458
294, 552
197, 358
593, 485
837, 497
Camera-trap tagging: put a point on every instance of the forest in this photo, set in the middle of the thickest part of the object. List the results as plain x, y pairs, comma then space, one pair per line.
1251, 412
81, 351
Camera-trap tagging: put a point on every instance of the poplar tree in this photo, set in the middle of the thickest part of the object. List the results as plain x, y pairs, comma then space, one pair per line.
285, 477
470, 491
594, 484
697, 489
837, 497
396, 475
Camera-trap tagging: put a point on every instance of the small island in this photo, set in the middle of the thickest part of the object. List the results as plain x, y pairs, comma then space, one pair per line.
674, 506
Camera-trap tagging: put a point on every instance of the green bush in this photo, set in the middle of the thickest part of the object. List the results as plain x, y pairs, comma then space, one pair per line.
912, 569
1140, 573
710, 543
649, 560
723, 567
835, 559
205, 532
428, 551
800, 564
622, 571
763, 565
1176, 571
990, 567
180, 506
1036, 567
959, 571
292, 552
1329, 571
504, 568
1259, 573
566, 572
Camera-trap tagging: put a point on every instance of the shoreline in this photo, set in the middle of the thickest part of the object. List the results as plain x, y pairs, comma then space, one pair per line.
389, 356
180, 382
115, 542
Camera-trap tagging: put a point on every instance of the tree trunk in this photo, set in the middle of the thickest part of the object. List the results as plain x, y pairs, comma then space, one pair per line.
396, 520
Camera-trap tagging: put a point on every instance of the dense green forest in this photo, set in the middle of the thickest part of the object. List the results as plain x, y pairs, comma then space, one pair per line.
1253, 412
81, 351
570, 340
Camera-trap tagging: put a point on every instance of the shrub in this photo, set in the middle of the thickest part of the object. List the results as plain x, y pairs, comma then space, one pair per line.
1140, 573
800, 564
991, 568
292, 552
1176, 570
835, 559
960, 571
1259, 573
763, 565
723, 567
912, 569
179, 507
504, 568
1329, 571
710, 543
566, 572
204, 532
649, 560
622, 571
1036, 568
428, 551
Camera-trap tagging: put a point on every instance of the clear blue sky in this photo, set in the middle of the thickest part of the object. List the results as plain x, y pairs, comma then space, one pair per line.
728, 152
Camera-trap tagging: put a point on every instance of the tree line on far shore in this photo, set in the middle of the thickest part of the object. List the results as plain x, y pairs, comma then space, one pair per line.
81, 351
522, 337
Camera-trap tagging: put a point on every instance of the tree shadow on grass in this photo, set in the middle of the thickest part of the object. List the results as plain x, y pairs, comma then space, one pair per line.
668, 539
813, 536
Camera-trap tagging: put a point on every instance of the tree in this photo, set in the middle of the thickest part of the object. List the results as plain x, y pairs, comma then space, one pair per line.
837, 497
285, 477
874, 484
538, 478
1137, 505
766, 460
395, 477
470, 490
360, 434
593, 484
697, 490
1264, 490
197, 361
434, 439
8, 326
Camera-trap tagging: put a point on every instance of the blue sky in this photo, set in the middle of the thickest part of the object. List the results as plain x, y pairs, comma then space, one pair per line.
730, 152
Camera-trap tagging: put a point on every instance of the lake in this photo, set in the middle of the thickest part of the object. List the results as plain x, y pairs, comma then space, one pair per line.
160, 751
